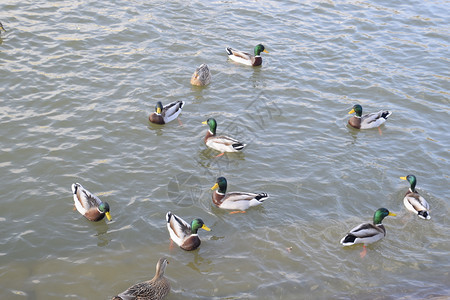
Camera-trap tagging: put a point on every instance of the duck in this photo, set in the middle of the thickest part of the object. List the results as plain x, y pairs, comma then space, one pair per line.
2, 28
246, 58
169, 112
239, 201
220, 143
183, 234
155, 289
201, 76
367, 233
89, 205
413, 201
367, 121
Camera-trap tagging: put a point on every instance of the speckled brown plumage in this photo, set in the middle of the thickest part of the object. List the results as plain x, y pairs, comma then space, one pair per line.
155, 289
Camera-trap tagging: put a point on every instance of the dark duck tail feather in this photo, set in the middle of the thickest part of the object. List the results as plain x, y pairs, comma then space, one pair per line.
423, 214
261, 197
238, 146
386, 114
349, 238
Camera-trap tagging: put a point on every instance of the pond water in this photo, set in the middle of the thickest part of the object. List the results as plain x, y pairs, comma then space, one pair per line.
79, 79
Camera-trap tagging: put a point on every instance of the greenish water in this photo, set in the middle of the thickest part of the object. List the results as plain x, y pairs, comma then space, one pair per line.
79, 79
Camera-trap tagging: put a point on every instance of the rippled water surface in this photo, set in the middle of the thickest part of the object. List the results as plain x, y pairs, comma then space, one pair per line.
79, 79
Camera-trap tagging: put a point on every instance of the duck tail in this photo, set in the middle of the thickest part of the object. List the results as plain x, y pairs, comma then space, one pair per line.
424, 215
239, 146
168, 217
386, 114
349, 239
75, 187
261, 197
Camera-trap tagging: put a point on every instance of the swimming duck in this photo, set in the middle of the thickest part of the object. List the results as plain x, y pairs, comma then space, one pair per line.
235, 200
246, 58
183, 234
220, 143
155, 289
1, 27
367, 121
368, 233
201, 76
169, 112
413, 201
89, 205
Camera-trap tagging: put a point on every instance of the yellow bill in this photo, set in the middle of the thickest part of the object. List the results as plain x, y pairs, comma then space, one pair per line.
352, 111
108, 216
265, 51
215, 186
205, 227
204, 122
392, 214
403, 178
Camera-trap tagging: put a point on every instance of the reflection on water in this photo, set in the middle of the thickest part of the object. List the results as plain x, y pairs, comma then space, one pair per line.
199, 264
102, 234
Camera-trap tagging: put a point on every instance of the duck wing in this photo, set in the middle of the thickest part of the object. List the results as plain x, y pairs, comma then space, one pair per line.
242, 196
364, 233
143, 290
178, 226
417, 204
172, 110
373, 120
242, 201
237, 53
225, 143
84, 198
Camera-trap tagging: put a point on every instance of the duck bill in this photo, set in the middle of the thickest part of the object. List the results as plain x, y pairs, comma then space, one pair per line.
352, 111
206, 227
392, 214
403, 178
158, 110
265, 51
108, 216
204, 122
215, 186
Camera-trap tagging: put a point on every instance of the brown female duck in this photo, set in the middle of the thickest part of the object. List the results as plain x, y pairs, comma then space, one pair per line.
155, 289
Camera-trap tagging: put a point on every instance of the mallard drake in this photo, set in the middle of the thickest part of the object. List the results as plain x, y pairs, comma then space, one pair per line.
368, 233
220, 143
367, 121
89, 205
169, 112
235, 200
1, 27
201, 76
154, 289
246, 58
183, 234
413, 201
